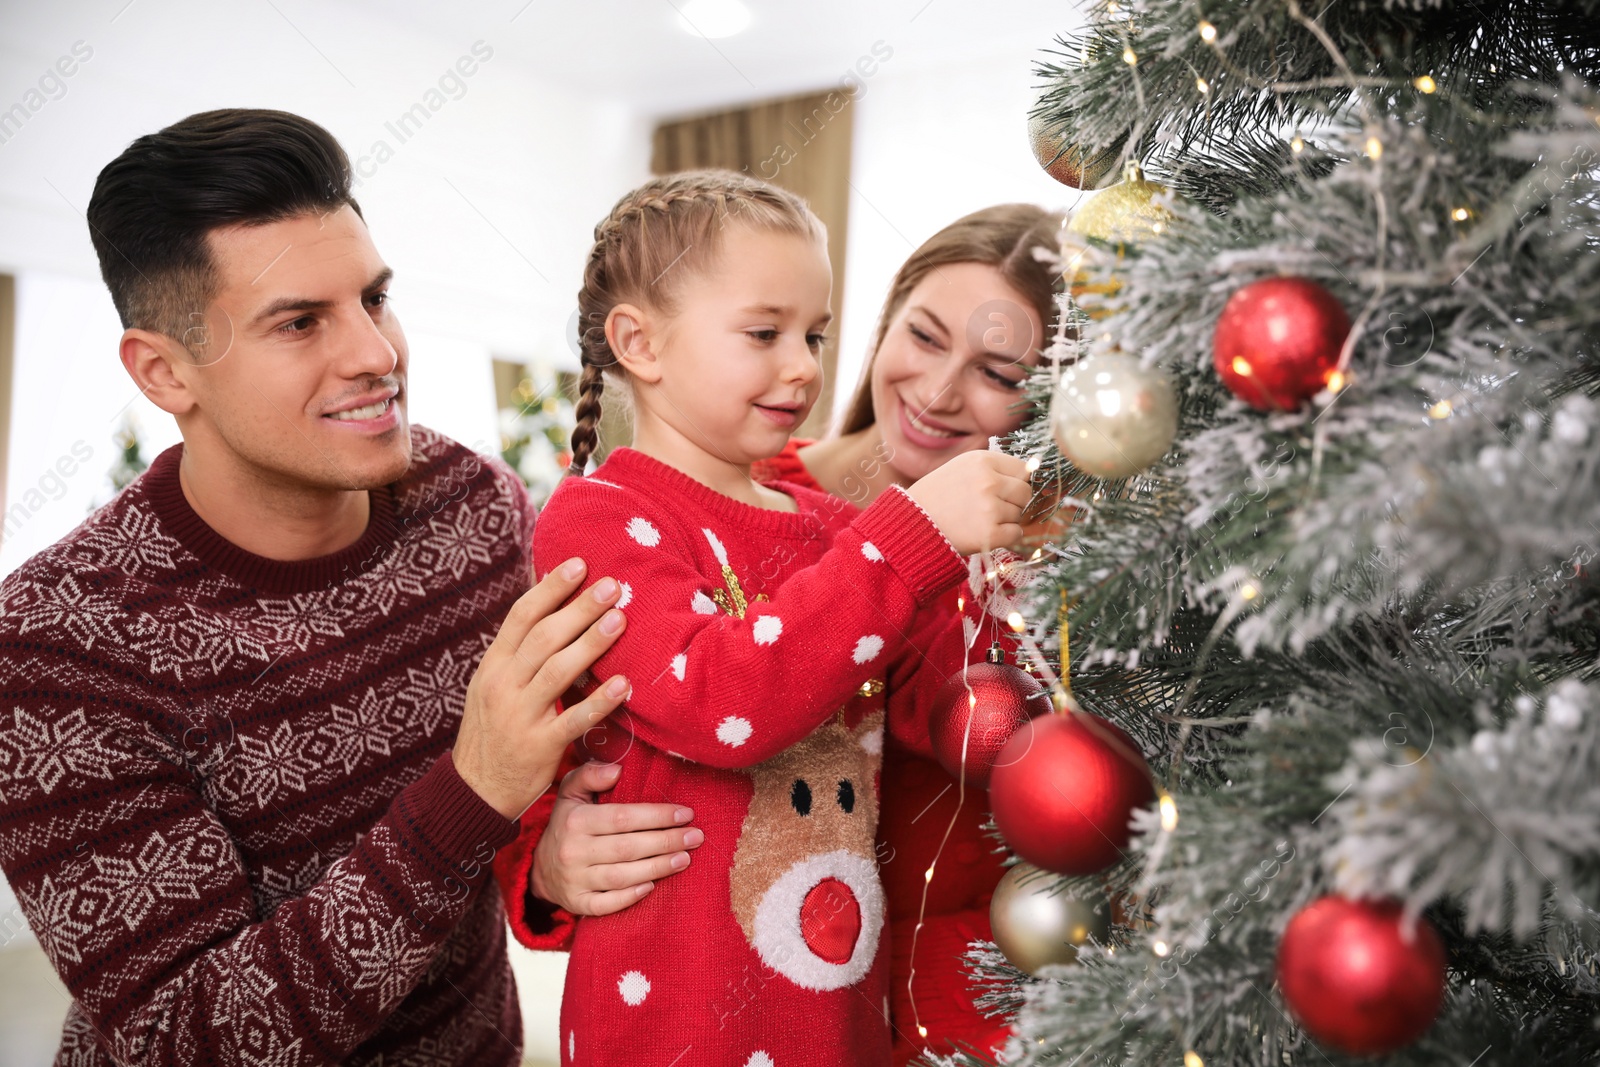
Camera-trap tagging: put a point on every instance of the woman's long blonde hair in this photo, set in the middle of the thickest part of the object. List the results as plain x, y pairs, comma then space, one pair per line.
653, 238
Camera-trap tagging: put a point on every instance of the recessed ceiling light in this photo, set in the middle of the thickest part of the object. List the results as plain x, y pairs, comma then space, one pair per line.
713, 18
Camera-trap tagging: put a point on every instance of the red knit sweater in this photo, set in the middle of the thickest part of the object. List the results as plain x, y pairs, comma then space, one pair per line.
759, 643
226, 801
919, 800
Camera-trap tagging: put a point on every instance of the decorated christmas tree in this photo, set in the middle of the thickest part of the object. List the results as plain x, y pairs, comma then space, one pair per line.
536, 430
1325, 628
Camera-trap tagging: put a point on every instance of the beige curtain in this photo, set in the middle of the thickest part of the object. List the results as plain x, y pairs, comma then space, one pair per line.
801, 143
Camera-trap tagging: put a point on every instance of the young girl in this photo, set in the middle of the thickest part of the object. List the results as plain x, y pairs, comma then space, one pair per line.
767, 624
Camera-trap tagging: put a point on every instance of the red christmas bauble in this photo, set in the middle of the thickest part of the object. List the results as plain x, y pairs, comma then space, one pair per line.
1278, 340
1063, 789
1353, 978
979, 709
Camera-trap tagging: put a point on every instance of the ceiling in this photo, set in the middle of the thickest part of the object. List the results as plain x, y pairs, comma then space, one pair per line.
632, 51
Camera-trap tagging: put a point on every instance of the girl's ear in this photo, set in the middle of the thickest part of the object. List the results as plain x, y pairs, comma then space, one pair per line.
629, 332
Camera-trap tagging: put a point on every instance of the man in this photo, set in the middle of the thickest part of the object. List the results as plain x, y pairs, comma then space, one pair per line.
229, 803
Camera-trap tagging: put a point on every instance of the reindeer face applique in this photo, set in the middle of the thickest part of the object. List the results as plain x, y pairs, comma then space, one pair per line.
804, 878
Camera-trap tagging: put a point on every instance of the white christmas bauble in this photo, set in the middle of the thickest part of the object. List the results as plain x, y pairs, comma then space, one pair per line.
1034, 926
1112, 417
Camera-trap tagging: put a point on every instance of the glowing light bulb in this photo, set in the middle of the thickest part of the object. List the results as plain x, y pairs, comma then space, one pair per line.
1160, 948
1192, 1059
1374, 147
1297, 144
713, 18
1200, 83
1169, 807
1441, 410
1014, 620
1033, 463
1241, 367
1208, 32
1425, 84
1129, 58
1248, 591
1336, 381
922, 1031
1461, 214
927, 875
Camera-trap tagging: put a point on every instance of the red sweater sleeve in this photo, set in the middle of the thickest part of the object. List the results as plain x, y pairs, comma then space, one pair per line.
728, 691
338, 958
534, 922
939, 647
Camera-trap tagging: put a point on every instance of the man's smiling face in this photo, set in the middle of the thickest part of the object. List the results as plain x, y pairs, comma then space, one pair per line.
302, 372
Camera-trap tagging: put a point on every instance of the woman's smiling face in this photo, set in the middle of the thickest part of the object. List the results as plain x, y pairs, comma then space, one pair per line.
949, 372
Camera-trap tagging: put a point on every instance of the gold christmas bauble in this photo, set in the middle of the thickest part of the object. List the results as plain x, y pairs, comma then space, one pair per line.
1067, 163
1035, 927
1125, 213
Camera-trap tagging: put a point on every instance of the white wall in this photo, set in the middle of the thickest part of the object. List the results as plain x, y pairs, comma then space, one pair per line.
485, 209
932, 143
484, 212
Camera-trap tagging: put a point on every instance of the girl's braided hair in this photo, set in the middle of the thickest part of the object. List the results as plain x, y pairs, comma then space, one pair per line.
655, 236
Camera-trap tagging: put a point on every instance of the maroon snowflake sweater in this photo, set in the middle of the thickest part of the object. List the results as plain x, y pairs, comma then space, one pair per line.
762, 646
226, 801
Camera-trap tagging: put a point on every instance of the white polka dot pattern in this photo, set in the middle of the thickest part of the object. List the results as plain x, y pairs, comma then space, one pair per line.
634, 987
766, 629
868, 647
644, 532
733, 731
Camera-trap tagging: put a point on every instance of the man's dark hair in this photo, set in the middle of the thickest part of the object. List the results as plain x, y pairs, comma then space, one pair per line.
155, 203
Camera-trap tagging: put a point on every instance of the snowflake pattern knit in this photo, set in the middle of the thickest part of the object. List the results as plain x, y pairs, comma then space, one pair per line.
759, 643
226, 803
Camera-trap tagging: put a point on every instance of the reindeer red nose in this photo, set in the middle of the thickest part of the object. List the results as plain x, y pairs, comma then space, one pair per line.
830, 920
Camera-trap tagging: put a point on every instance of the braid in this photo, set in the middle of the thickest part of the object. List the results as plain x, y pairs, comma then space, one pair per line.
653, 237
586, 434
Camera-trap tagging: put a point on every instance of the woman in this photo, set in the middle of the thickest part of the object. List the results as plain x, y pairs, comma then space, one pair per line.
964, 320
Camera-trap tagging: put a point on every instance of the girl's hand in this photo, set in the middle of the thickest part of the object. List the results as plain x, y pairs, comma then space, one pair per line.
976, 499
594, 859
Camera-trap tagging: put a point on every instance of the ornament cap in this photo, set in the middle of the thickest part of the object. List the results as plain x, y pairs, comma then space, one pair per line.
996, 654
1062, 700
